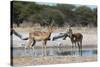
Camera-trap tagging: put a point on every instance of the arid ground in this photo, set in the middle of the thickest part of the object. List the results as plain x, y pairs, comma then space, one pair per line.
20, 61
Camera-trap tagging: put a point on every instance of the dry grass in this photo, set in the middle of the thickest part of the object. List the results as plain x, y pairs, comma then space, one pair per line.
57, 29
52, 60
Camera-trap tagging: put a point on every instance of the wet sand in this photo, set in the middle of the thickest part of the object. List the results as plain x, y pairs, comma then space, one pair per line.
25, 61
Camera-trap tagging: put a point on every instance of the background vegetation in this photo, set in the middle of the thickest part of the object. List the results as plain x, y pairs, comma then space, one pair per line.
58, 14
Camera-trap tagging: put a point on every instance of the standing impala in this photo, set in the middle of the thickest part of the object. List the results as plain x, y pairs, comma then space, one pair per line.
39, 36
76, 38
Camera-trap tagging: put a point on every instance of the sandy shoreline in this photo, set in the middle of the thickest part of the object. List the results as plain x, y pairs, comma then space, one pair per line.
20, 61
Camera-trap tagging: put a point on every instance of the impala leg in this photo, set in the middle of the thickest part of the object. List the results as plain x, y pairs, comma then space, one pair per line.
72, 45
29, 43
31, 49
42, 49
75, 46
27, 46
79, 48
45, 50
45, 47
33, 52
72, 48
33, 46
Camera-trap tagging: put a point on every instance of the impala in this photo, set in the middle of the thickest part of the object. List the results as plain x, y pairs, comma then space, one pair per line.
76, 38
39, 36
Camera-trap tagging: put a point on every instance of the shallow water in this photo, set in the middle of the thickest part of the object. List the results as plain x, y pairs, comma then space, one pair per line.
51, 52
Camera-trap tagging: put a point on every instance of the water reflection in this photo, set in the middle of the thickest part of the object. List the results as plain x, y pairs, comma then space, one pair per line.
51, 52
